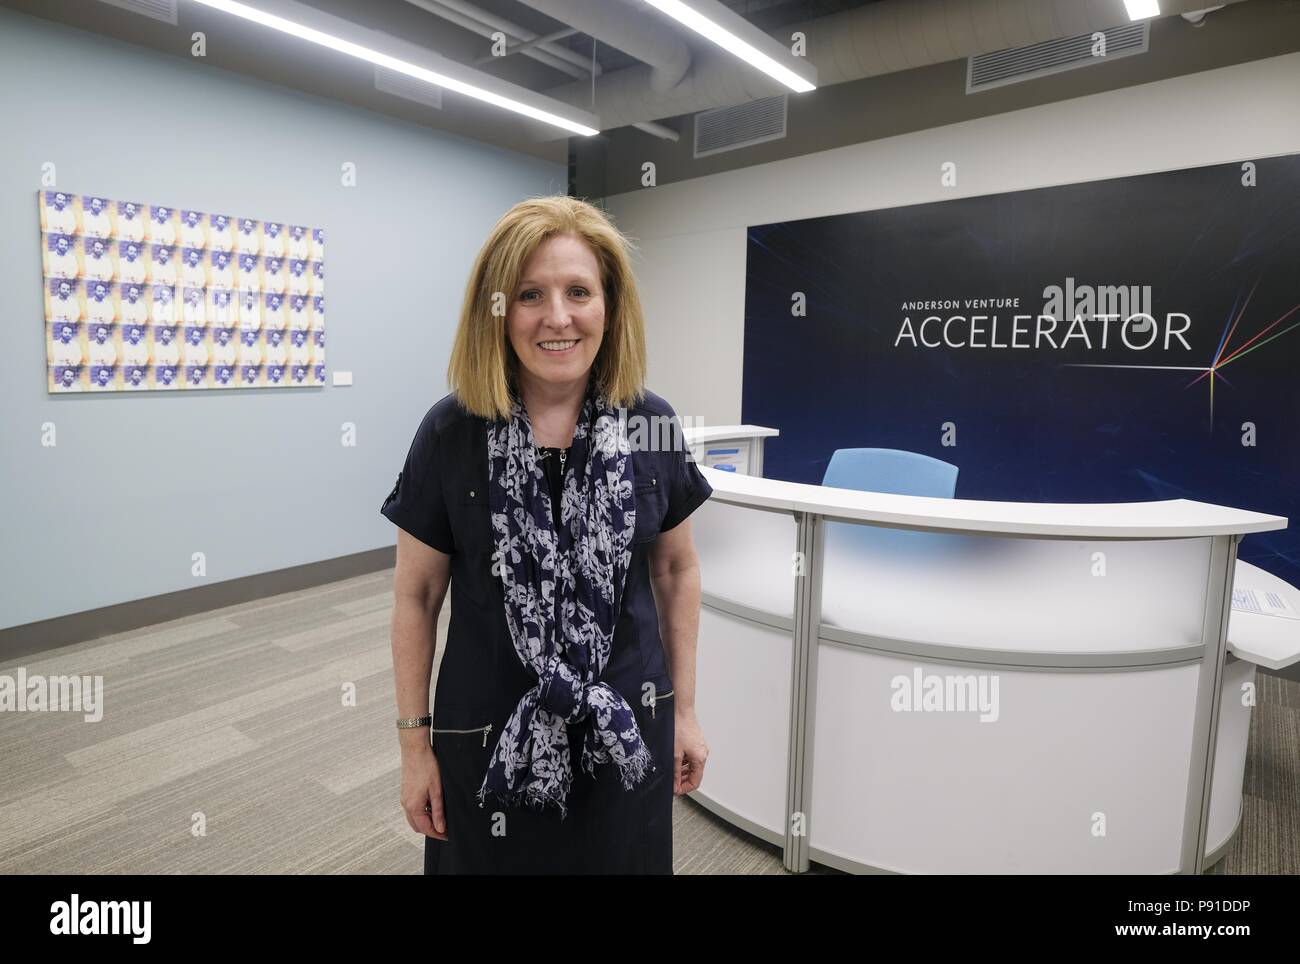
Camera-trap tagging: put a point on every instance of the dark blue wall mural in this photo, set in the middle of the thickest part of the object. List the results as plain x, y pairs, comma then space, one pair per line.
1114, 341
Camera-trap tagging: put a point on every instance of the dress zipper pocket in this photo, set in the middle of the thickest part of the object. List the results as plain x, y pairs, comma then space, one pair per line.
484, 729
657, 698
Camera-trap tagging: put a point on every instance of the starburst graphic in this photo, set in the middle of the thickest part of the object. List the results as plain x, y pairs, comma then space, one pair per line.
1222, 356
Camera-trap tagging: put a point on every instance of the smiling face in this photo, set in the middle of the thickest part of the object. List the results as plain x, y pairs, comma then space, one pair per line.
556, 318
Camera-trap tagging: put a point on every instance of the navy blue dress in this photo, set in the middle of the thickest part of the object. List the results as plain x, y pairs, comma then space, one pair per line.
441, 499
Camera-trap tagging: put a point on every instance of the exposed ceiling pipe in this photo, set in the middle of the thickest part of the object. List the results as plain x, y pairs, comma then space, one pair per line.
866, 41
526, 45
1197, 17
658, 130
632, 28
486, 24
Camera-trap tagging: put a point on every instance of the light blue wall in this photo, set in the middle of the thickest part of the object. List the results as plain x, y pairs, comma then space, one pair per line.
257, 480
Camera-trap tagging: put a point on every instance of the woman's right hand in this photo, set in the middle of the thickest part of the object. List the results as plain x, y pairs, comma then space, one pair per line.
422, 791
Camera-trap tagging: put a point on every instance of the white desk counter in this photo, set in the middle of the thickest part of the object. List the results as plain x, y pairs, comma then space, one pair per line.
916, 685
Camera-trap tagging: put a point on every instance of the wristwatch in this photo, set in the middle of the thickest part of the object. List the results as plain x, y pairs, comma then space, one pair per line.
414, 721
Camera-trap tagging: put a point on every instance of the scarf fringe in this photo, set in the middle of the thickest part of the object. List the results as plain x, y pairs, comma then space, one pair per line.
638, 766
529, 796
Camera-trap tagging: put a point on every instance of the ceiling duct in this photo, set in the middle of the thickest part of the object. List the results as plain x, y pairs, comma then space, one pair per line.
164, 10
731, 128
1002, 67
408, 88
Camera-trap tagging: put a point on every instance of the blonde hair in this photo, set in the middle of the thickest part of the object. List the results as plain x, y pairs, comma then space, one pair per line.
483, 363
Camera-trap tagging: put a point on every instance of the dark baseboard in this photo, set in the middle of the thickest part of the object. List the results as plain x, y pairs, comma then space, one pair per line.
48, 634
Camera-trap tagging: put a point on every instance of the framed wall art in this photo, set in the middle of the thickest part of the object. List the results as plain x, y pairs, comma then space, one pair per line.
142, 297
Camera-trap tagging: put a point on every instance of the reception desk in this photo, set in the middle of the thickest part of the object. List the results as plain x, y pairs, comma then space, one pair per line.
899, 684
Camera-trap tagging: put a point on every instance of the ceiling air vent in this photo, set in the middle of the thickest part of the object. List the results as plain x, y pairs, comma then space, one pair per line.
400, 85
1011, 66
730, 128
164, 10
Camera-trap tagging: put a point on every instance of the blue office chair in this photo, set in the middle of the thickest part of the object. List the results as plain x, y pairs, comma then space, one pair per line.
893, 471
899, 473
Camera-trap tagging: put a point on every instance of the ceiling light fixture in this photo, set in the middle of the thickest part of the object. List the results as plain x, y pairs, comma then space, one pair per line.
1142, 9
730, 42
392, 63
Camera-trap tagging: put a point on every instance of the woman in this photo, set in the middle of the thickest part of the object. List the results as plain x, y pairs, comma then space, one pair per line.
562, 724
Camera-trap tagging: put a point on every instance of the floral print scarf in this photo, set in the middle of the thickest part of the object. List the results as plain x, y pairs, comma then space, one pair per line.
563, 594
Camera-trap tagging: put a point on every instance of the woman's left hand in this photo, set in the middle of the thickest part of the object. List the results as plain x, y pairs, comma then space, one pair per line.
689, 752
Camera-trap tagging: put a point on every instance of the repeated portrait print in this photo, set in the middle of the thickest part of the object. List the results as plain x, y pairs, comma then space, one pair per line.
142, 296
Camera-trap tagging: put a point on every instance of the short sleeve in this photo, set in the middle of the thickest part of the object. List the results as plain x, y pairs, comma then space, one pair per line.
689, 488
416, 503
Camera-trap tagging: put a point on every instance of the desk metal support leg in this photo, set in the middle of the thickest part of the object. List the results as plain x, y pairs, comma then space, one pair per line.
1205, 729
803, 688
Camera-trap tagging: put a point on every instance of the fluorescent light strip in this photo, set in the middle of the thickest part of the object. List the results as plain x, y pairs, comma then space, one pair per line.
392, 63
728, 41
1142, 9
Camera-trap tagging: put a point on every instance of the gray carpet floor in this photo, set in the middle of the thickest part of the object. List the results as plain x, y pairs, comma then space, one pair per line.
229, 745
